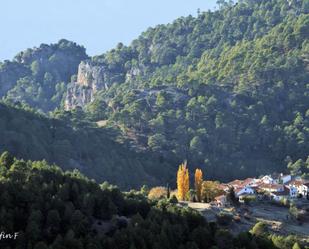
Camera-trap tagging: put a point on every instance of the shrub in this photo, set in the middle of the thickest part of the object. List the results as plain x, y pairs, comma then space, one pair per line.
294, 212
259, 229
285, 202
249, 199
157, 193
144, 190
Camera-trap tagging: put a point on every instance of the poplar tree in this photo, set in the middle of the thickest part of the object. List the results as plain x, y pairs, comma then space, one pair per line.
183, 183
198, 177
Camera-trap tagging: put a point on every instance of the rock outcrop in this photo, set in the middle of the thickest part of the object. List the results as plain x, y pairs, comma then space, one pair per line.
93, 77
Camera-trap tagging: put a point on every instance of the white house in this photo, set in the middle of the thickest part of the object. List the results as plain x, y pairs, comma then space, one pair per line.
301, 186
292, 191
246, 190
305, 189
268, 180
285, 178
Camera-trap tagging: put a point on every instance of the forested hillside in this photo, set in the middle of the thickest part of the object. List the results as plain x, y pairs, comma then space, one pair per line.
71, 141
227, 90
39, 76
50, 209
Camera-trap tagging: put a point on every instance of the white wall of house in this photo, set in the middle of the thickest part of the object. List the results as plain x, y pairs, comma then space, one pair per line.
245, 190
286, 179
268, 179
277, 197
274, 188
303, 190
293, 192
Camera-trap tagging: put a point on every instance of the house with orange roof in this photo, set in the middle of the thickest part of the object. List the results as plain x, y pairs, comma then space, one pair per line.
301, 186
244, 190
243, 187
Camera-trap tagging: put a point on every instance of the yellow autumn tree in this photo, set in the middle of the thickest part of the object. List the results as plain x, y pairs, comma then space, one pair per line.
198, 178
183, 183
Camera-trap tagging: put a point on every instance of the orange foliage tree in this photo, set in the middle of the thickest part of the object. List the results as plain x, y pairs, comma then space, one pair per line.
198, 177
157, 193
183, 183
210, 190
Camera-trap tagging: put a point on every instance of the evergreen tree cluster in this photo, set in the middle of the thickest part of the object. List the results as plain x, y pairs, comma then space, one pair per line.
53, 209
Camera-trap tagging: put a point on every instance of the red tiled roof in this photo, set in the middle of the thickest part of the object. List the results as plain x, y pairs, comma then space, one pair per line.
270, 186
306, 184
241, 183
248, 181
235, 182
237, 190
299, 183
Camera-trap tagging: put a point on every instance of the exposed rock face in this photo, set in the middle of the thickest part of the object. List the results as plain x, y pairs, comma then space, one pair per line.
91, 78
77, 95
39, 76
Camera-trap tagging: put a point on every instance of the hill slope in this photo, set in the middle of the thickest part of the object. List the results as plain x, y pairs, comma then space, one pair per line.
48, 208
39, 76
70, 141
227, 90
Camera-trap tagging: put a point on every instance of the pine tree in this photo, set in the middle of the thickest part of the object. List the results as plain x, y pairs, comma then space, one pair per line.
198, 177
6, 159
183, 183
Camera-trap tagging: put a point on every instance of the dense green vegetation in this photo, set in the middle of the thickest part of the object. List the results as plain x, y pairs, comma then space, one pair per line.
70, 141
52, 209
39, 76
227, 90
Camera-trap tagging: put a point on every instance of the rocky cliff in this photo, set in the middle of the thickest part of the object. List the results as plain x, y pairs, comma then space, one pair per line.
93, 77
39, 76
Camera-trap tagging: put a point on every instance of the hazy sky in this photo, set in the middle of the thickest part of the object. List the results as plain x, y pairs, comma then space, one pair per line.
97, 24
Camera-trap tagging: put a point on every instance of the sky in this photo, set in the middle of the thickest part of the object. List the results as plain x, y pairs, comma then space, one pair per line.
98, 25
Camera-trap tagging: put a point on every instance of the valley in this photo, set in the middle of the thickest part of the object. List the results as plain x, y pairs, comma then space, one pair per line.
144, 146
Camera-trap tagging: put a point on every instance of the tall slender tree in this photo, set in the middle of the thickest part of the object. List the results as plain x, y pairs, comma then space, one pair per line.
198, 178
183, 183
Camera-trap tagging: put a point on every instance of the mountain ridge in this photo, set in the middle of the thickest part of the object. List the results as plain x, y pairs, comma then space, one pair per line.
226, 90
